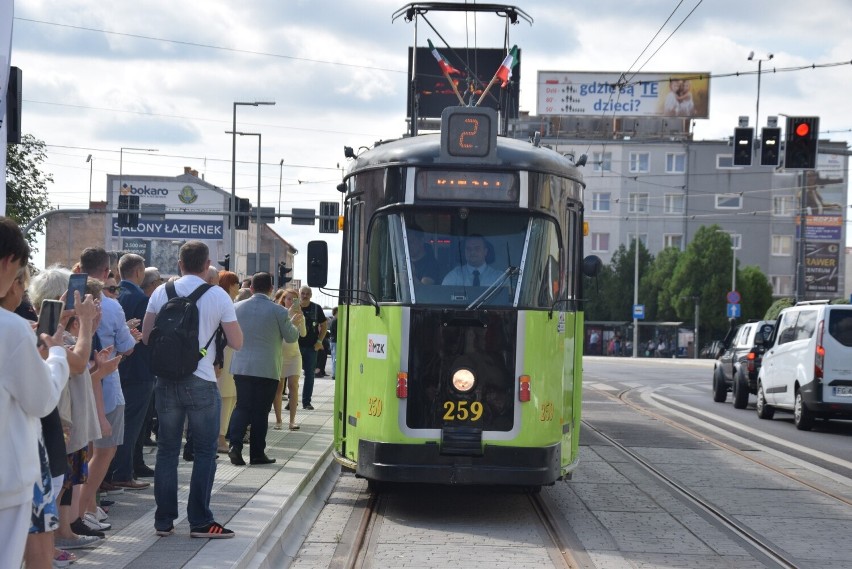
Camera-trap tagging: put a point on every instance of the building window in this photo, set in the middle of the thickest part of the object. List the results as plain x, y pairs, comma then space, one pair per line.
674, 203
600, 201
782, 245
724, 161
729, 201
643, 237
602, 161
640, 162
638, 203
675, 163
673, 240
782, 285
783, 206
600, 242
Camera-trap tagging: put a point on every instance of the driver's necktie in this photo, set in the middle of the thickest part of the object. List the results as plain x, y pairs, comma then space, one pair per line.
475, 278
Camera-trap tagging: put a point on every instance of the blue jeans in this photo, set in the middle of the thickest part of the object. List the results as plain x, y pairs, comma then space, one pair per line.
137, 397
309, 364
199, 401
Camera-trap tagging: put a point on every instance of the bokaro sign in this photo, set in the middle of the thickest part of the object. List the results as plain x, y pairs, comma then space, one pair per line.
178, 194
182, 202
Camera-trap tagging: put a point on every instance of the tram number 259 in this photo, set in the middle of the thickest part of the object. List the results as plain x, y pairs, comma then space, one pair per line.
462, 410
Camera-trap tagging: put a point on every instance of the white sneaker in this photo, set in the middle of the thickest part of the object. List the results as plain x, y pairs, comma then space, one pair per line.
101, 515
91, 522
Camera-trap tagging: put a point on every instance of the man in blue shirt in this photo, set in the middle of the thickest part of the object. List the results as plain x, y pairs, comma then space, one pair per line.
113, 332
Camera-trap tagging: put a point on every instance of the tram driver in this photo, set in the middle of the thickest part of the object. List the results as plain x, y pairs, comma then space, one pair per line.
475, 271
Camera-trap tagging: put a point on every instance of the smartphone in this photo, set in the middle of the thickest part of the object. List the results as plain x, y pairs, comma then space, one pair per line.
76, 282
48, 318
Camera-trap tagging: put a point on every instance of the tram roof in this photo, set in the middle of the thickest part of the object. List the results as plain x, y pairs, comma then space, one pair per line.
425, 150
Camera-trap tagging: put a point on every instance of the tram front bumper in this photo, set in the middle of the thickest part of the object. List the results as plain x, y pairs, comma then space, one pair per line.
424, 463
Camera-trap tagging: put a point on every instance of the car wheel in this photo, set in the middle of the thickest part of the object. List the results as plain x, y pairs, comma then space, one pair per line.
740, 391
720, 391
764, 409
802, 416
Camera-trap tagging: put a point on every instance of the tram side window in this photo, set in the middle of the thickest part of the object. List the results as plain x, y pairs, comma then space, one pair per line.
387, 272
542, 280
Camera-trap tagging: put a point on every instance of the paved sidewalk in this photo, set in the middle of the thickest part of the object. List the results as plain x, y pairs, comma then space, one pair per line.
269, 507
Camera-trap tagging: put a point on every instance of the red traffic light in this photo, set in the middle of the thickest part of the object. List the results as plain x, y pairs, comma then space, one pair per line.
802, 129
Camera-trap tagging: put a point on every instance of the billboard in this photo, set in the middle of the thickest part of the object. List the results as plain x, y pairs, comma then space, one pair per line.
477, 67
685, 95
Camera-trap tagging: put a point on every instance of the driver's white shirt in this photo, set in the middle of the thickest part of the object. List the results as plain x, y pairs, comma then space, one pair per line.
463, 275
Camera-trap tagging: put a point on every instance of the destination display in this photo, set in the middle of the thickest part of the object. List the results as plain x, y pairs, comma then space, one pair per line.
466, 185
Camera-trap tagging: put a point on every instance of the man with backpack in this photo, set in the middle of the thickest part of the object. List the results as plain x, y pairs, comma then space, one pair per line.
179, 325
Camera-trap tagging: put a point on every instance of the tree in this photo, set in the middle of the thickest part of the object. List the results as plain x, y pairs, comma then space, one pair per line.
654, 284
703, 272
26, 184
597, 306
756, 292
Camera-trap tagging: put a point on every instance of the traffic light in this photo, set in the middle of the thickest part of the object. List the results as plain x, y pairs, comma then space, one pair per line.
131, 204
282, 274
243, 206
329, 224
770, 146
802, 137
226, 263
743, 145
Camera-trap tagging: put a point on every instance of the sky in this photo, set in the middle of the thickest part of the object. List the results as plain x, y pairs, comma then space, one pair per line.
99, 76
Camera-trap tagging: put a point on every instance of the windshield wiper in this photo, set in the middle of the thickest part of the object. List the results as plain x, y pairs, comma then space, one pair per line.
495, 286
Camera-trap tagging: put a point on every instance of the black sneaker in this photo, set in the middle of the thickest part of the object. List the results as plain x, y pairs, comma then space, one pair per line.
212, 530
165, 532
78, 527
308, 407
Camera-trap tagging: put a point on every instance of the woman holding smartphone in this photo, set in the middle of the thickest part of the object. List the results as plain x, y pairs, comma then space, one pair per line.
31, 390
292, 365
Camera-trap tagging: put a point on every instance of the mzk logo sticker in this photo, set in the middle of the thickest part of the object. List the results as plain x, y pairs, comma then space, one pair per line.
377, 346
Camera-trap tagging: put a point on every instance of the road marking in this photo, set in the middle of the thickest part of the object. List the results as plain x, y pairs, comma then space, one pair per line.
650, 397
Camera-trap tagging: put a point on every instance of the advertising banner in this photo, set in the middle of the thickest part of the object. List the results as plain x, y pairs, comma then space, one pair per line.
684, 95
821, 267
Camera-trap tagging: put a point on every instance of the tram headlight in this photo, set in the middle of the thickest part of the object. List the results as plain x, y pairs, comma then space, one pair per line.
464, 380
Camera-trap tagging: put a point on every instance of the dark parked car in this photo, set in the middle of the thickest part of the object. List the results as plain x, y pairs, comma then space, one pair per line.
736, 368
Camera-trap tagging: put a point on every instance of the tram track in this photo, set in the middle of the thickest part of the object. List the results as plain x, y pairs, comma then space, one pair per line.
761, 548
359, 541
750, 539
703, 435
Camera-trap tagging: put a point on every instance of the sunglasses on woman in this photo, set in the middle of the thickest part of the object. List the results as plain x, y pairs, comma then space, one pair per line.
115, 289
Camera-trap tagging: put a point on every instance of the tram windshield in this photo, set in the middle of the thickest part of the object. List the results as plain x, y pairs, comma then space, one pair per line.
465, 258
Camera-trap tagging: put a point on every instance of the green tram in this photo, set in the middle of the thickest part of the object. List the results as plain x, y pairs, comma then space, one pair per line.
460, 327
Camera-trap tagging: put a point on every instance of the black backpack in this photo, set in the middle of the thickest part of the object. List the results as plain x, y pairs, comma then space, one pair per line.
173, 342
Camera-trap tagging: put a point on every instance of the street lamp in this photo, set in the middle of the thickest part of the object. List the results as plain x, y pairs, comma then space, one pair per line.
120, 181
759, 64
257, 212
233, 133
91, 163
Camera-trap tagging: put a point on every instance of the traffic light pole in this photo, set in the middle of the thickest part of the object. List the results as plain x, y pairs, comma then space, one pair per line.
803, 227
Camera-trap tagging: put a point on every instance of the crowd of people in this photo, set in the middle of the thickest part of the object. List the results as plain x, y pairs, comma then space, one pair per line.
84, 399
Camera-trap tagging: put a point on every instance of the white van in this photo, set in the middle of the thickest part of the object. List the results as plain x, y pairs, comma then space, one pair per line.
807, 367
